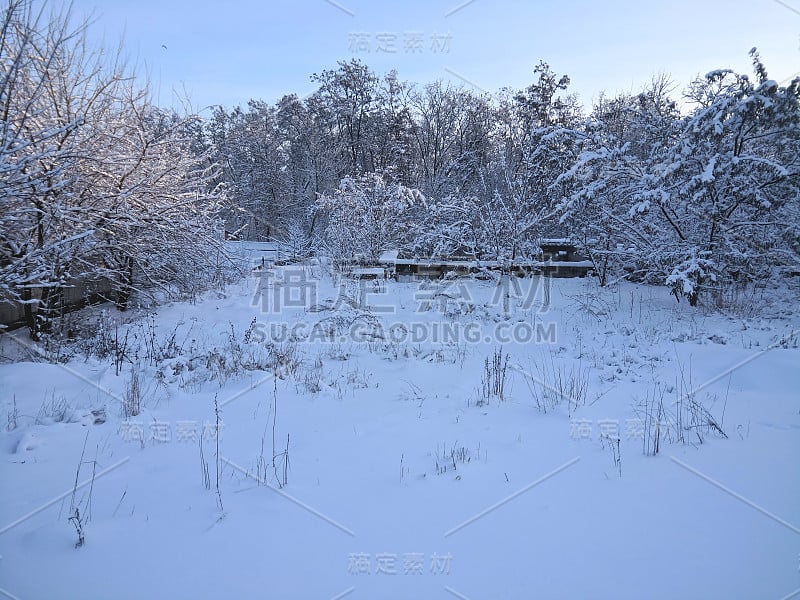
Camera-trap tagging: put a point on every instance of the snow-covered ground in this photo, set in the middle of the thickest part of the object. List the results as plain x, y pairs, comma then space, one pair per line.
415, 468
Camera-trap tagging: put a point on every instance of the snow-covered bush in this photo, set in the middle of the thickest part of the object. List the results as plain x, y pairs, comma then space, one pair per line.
689, 276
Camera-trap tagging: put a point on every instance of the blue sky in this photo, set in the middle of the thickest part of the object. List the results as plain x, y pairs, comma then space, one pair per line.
227, 53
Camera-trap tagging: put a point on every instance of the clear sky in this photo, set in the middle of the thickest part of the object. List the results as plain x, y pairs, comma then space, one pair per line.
229, 52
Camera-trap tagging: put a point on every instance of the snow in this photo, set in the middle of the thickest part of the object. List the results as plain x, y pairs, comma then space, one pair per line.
388, 257
707, 175
393, 458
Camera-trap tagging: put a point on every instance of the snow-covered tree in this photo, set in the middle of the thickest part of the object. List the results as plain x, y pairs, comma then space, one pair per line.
346, 106
155, 221
733, 178
52, 85
96, 181
621, 142
368, 215
532, 148
698, 200
255, 156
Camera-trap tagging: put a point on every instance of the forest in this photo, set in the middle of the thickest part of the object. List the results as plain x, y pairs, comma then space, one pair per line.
697, 189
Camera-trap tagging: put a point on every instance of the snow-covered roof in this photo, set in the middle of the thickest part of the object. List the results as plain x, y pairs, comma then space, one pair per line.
389, 256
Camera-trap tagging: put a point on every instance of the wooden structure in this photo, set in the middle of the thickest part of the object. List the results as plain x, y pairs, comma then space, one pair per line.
77, 294
559, 258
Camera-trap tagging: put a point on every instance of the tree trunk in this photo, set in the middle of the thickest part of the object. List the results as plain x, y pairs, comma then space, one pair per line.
30, 317
124, 285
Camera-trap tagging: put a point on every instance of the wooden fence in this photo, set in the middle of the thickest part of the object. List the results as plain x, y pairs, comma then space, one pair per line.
77, 294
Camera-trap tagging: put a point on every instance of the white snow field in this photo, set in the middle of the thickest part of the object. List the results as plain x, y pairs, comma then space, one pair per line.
617, 444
